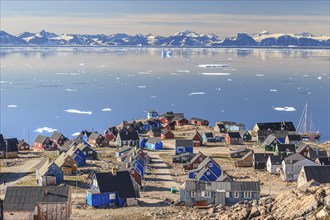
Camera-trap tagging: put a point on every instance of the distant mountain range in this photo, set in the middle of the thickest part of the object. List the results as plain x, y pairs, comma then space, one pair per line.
180, 39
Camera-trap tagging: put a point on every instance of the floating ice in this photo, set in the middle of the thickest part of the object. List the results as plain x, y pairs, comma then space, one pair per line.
102, 66
285, 109
260, 75
196, 93
75, 111
70, 90
3, 82
142, 87
273, 90
75, 134
82, 64
144, 73
216, 74
228, 69
229, 80
305, 75
153, 96
12, 106
213, 65
319, 78
45, 129
106, 110
183, 71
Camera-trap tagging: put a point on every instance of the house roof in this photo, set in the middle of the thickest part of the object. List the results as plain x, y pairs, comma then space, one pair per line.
124, 149
324, 160
269, 140
55, 136
243, 132
313, 155
12, 144
317, 173
183, 155
43, 170
294, 158
197, 156
261, 157
82, 147
277, 126
24, 198
294, 137
198, 119
61, 159
121, 183
153, 140
275, 160
67, 145
246, 155
240, 150
224, 176
234, 135
128, 135
20, 142
209, 135
204, 163
42, 162
184, 143
40, 139
164, 132
286, 148
94, 136
244, 186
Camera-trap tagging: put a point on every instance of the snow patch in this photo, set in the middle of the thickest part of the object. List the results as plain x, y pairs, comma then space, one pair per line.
75, 111
183, 71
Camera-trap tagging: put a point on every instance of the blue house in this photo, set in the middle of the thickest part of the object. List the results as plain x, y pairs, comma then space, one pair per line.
208, 137
143, 142
110, 189
48, 173
154, 144
78, 156
136, 161
183, 146
208, 170
152, 114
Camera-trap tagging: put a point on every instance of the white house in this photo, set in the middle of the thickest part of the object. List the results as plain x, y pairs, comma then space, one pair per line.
292, 165
274, 164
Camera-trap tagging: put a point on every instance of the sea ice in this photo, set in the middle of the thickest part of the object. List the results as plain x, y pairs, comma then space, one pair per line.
106, 110
260, 75
142, 87
183, 71
70, 90
196, 93
12, 106
273, 90
75, 134
216, 74
213, 65
75, 111
45, 129
285, 109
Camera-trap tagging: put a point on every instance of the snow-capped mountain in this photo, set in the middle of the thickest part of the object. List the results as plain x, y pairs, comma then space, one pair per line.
185, 38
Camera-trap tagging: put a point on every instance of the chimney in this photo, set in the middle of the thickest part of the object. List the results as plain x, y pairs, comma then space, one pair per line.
114, 171
46, 190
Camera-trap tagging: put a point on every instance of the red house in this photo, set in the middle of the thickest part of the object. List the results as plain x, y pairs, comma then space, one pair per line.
111, 134
198, 140
43, 143
194, 162
135, 175
143, 154
233, 138
179, 121
304, 149
22, 145
167, 134
198, 121
58, 138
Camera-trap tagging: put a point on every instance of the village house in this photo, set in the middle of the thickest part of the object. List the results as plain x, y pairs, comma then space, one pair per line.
316, 153
183, 158
303, 149
183, 146
111, 189
320, 174
208, 137
167, 134
199, 122
260, 160
37, 202
203, 193
263, 130
169, 116
156, 132
154, 144
96, 140
67, 164
292, 165
122, 152
133, 160
270, 143
89, 152
293, 139
197, 138
8, 148
23, 145
323, 161
220, 128
152, 114
285, 150
233, 138
42, 143
70, 143
170, 126
180, 121
207, 170
239, 153
245, 161
48, 173
130, 138
194, 162
78, 156
136, 178
58, 138
111, 134
245, 135
274, 163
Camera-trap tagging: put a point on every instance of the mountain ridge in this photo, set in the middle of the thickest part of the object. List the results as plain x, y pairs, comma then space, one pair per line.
184, 38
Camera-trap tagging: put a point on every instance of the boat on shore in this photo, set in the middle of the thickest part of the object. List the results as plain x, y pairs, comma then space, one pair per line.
307, 135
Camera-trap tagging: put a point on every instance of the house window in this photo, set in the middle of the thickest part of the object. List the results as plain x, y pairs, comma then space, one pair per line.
210, 164
206, 194
227, 194
112, 196
201, 159
184, 158
236, 194
208, 173
90, 152
192, 194
247, 194
132, 172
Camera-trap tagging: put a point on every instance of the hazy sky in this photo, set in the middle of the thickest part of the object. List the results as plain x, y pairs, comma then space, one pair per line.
161, 17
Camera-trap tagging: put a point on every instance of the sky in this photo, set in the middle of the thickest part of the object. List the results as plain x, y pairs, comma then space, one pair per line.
161, 17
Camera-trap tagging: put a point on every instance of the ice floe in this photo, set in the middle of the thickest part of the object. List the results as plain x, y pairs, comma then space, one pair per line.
216, 74
229, 69
229, 80
183, 71
12, 106
285, 109
213, 65
75, 134
106, 110
70, 90
75, 111
45, 129
260, 75
142, 87
144, 73
196, 93
319, 78
273, 90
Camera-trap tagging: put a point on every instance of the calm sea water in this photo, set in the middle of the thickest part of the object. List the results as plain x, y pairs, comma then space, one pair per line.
72, 89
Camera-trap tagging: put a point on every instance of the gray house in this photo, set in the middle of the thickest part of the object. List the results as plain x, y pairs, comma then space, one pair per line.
201, 193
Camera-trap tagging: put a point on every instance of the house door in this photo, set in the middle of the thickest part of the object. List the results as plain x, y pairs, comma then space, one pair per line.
220, 198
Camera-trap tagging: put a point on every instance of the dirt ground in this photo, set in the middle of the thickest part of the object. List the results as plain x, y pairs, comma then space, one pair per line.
155, 199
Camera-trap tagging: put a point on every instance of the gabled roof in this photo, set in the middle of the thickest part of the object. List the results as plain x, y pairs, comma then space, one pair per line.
61, 159
294, 137
261, 157
24, 198
277, 126
43, 170
94, 136
269, 140
153, 140
295, 158
42, 162
184, 143
186, 154
198, 119
204, 163
275, 160
67, 145
240, 150
121, 183
55, 136
209, 135
318, 173
40, 139
246, 155
234, 135
164, 132
196, 157
12, 144
286, 148
124, 149
225, 176
82, 147
128, 135
313, 155
302, 146
324, 160
243, 132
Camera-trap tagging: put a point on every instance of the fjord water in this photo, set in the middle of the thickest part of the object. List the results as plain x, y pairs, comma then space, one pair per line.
73, 89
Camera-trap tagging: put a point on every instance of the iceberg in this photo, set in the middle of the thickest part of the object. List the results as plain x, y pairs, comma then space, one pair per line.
216, 74
45, 129
75, 111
